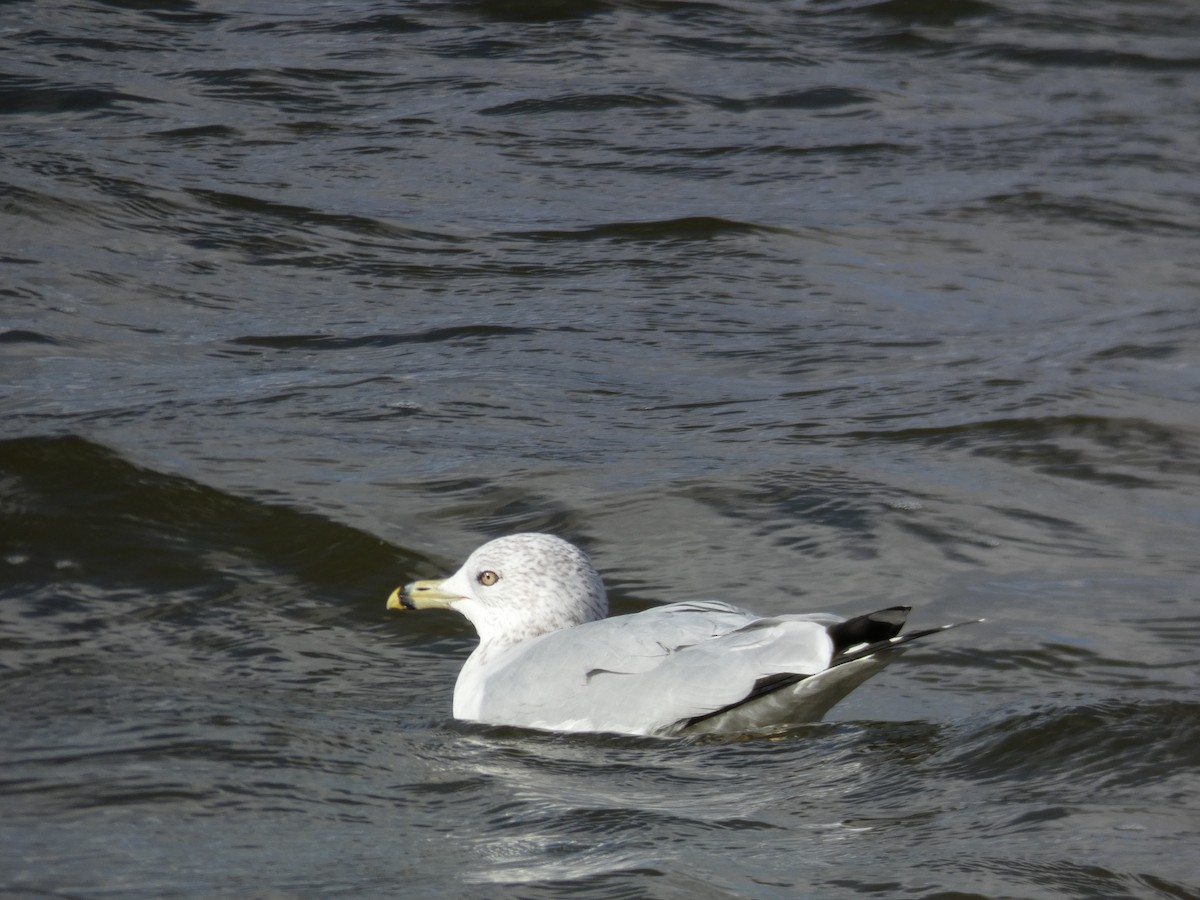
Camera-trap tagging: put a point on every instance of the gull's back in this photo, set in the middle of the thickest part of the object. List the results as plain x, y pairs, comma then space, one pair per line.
688, 667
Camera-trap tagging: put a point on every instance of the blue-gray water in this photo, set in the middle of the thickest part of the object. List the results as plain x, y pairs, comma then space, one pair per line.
809, 306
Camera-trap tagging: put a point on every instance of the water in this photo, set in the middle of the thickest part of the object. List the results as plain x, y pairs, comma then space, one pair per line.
805, 306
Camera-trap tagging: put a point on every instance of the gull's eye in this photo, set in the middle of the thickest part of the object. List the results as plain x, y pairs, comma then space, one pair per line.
487, 577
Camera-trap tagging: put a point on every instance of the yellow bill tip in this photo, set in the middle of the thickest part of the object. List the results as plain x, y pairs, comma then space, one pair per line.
421, 595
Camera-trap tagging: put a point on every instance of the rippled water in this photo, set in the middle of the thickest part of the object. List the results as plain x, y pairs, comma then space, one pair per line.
801, 305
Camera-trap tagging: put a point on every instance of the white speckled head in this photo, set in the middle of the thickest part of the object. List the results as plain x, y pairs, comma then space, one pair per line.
521, 586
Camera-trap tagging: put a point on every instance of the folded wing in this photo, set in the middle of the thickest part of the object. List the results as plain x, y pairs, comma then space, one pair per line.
688, 668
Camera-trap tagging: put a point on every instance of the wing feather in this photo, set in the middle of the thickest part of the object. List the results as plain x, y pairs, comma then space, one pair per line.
652, 672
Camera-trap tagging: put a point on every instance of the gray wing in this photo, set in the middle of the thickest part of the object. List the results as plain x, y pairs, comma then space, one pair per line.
651, 672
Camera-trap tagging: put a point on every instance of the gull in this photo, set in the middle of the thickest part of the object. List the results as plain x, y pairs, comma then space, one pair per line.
549, 657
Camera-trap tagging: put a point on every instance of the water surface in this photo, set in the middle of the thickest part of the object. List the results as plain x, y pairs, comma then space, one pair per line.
807, 306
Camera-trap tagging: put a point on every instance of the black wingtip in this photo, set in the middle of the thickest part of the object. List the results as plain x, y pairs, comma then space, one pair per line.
894, 642
854, 639
873, 628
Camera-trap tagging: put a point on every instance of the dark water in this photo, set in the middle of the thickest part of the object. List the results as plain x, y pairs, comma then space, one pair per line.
803, 305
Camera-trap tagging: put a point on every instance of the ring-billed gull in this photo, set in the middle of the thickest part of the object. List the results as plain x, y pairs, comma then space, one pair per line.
548, 658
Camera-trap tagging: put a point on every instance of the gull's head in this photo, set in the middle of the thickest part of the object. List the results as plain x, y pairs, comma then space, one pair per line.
515, 588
